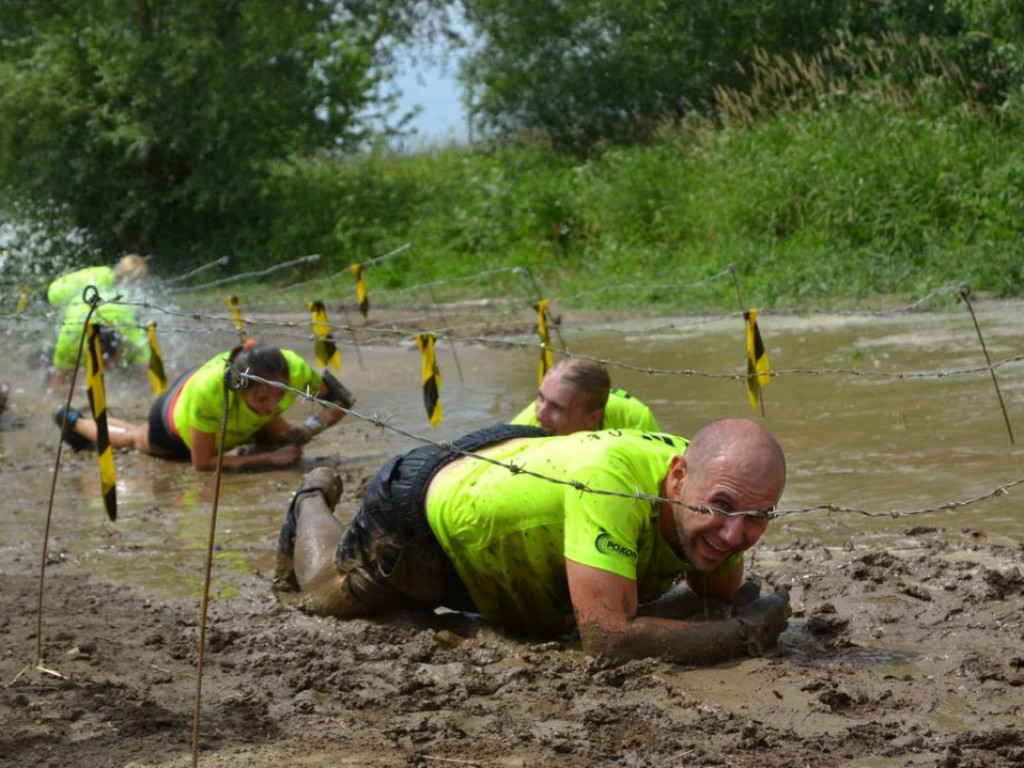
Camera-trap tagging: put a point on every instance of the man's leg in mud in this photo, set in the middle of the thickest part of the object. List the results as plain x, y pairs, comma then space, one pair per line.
318, 533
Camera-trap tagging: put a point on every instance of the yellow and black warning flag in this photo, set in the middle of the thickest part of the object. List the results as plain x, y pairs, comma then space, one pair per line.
157, 377
431, 378
324, 348
98, 403
364, 303
236, 312
758, 367
546, 360
22, 298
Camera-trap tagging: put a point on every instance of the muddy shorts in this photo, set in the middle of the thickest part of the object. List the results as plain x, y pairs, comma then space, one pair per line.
388, 553
161, 436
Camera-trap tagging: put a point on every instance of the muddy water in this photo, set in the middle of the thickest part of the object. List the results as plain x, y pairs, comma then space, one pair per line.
869, 443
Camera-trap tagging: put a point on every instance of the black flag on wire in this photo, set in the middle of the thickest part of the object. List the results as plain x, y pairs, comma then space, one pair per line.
758, 366
157, 377
236, 312
431, 378
546, 360
98, 403
325, 349
361, 300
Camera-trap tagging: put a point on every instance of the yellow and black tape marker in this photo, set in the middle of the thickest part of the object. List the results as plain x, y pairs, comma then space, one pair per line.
431, 378
98, 403
546, 360
758, 366
361, 300
22, 298
326, 351
157, 377
235, 303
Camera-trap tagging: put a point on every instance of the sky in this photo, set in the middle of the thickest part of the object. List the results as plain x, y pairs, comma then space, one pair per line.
434, 89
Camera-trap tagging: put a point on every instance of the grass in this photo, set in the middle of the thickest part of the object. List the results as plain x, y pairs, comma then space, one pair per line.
868, 171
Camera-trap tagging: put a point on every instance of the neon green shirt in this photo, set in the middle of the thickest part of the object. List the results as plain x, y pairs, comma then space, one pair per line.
121, 317
509, 535
201, 402
622, 411
69, 287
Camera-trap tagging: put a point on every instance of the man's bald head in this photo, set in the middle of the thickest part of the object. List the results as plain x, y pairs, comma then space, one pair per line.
742, 440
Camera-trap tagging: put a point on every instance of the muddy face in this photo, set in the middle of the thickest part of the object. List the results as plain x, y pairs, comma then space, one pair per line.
264, 399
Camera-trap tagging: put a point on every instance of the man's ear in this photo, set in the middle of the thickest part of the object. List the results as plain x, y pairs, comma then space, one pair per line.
676, 476
595, 419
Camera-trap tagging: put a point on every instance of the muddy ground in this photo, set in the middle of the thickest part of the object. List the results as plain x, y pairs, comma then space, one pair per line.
854, 682
905, 654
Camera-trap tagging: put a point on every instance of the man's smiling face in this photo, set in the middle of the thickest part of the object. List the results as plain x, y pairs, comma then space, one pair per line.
707, 539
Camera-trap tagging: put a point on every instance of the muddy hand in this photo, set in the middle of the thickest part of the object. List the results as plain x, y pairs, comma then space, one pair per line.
748, 593
297, 435
764, 620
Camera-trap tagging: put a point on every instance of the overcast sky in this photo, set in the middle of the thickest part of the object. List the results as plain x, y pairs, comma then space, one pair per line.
435, 89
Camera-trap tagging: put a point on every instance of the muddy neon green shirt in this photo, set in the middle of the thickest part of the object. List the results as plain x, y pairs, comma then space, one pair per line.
121, 317
622, 411
70, 286
509, 535
202, 399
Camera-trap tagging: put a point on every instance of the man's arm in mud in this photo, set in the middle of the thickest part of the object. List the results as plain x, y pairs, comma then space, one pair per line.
610, 623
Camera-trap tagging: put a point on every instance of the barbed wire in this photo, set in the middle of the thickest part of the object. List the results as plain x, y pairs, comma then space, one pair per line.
520, 271
1002, 490
382, 334
247, 275
243, 377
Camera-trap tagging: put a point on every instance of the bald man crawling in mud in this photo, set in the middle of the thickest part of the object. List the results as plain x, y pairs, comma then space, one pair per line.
627, 535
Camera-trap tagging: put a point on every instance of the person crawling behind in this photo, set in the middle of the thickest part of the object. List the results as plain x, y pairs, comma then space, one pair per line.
603, 542
185, 421
577, 395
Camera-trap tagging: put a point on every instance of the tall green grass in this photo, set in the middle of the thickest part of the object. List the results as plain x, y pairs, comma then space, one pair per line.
845, 177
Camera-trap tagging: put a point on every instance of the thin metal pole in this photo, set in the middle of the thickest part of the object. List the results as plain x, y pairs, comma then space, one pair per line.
451, 343
988, 360
204, 603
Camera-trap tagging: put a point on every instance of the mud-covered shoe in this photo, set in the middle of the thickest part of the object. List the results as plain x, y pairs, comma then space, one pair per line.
338, 392
328, 484
68, 434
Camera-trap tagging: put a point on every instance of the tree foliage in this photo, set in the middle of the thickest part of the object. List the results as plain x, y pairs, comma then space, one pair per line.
154, 121
588, 72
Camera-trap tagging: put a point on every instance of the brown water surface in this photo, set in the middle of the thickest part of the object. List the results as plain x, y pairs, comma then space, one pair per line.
872, 443
923, 664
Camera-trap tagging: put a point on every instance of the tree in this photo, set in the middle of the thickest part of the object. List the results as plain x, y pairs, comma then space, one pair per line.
154, 121
585, 72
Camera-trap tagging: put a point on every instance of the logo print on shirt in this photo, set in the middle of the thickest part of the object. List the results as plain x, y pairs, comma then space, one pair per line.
607, 546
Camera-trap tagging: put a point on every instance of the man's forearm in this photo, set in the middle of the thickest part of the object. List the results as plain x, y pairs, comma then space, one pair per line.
683, 604
685, 642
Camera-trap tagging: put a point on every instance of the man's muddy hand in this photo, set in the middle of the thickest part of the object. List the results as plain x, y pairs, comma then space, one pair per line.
763, 620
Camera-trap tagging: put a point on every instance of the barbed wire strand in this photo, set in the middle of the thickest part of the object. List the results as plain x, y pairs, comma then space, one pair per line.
392, 334
384, 423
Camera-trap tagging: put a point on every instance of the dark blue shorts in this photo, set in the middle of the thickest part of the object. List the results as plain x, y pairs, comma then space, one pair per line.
388, 553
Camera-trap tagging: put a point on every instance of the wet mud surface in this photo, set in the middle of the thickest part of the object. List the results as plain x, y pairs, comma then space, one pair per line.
906, 647
894, 658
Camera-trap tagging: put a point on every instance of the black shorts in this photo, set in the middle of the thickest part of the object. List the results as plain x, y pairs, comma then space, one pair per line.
388, 553
161, 436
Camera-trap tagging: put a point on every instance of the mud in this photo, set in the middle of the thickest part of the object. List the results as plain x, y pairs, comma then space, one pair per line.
906, 647
895, 658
